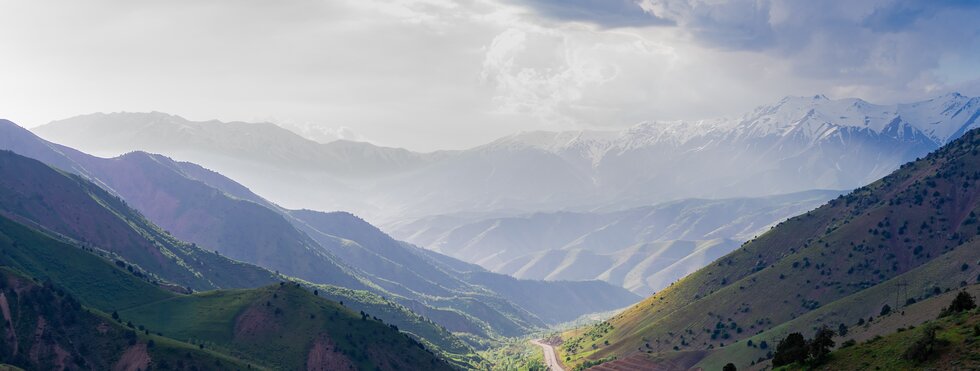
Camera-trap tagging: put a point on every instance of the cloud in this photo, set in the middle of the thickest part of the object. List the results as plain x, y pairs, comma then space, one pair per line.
440, 74
605, 13
886, 43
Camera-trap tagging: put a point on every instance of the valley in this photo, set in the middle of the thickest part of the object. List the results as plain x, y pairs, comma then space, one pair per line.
461, 284
490, 185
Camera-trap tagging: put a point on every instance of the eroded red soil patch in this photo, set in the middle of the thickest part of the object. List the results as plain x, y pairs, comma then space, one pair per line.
324, 356
133, 359
255, 321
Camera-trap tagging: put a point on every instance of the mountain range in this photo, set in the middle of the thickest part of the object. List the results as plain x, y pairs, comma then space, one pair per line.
210, 211
143, 241
539, 205
643, 249
899, 240
795, 144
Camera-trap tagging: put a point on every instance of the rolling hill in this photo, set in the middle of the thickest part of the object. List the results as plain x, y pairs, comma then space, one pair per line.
47, 328
240, 326
910, 232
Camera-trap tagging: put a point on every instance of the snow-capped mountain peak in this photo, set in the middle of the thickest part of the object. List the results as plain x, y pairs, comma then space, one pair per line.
806, 120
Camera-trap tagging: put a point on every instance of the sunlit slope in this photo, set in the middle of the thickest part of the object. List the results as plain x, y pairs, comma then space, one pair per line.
909, 218
924, 285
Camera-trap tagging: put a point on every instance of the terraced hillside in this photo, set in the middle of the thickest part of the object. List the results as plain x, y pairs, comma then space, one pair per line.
910, 232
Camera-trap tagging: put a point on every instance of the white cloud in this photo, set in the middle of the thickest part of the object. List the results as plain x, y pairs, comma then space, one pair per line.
428, 74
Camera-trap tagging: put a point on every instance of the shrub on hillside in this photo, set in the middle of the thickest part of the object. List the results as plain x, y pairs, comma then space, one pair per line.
923, 347
796, 349
963, 302
791, 350
820, 346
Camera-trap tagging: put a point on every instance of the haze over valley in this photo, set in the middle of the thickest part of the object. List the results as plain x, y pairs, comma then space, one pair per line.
498, 185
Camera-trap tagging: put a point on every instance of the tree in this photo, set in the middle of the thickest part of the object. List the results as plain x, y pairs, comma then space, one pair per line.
842, 329
963, 302
821, 344
729, 367
885, 310
791, 350
923, 347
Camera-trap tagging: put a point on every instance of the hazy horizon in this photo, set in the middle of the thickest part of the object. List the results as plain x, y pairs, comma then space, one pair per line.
431, 74
324, 134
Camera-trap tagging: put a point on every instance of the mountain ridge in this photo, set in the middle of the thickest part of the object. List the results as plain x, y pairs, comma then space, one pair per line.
918, 224
205, 207
795, 144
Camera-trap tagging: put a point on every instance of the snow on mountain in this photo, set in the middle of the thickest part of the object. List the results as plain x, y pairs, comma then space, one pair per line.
322, 134
792, 145
816, 118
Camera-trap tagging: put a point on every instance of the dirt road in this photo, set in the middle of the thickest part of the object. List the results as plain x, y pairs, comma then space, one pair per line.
550, 356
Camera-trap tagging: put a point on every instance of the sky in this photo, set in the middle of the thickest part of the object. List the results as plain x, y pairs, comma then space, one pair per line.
445, 74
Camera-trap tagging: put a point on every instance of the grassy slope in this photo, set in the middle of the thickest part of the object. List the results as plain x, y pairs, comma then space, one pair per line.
34, 193
195, 212
91, 279
959, 350
96, 282
48, 329
810, 260
866, 304
423, 328
208, 316
279, 325
32, 196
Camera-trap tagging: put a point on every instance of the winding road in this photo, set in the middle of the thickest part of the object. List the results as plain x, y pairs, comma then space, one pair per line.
550, 356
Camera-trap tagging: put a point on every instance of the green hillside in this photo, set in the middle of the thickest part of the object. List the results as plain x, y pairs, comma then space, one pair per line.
925, 212
921, 284
284, 325
33, 193
320, 332
955, 344
239, 229
94, 280
46, 328
101, 287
